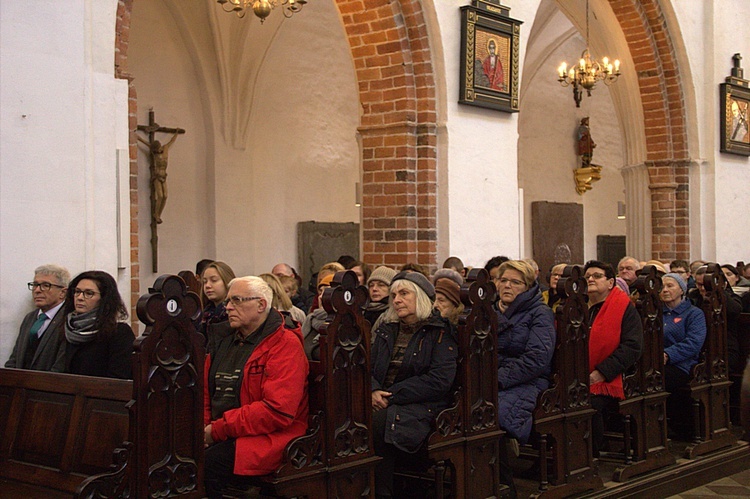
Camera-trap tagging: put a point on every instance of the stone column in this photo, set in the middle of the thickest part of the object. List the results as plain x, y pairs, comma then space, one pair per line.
638, 211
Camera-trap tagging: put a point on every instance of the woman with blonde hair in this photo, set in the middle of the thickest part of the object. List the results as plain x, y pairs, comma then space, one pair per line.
216, 277
281, 300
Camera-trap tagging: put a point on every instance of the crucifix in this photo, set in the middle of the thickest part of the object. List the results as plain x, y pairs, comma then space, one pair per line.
159, 157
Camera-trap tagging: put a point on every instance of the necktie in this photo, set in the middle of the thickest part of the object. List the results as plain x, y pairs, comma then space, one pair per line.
37, 325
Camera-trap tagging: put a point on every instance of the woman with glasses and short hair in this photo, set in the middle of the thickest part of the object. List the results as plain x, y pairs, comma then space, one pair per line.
96, 343
615, 343
525, 345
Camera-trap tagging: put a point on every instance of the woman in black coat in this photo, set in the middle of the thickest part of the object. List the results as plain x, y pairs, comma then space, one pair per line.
413, 369
96, 344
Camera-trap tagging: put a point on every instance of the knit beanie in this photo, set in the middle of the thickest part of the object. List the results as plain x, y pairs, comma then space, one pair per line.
620, 282
680, 281
418, 279
382, 274
449, 289
448, 274
326, 281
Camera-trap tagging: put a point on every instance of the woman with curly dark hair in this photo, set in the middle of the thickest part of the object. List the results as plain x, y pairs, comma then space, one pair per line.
96, 343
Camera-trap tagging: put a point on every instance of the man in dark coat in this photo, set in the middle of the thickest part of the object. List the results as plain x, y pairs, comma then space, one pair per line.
40, 336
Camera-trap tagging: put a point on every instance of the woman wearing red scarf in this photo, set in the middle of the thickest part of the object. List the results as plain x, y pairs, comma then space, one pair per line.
615, 343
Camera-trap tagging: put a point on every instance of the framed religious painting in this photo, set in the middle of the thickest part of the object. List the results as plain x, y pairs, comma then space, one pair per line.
735, 100
489, 56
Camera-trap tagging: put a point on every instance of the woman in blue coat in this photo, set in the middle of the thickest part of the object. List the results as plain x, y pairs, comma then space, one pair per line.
525, 344
684, 333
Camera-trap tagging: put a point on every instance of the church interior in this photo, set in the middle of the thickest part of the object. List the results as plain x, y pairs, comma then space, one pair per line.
337, 129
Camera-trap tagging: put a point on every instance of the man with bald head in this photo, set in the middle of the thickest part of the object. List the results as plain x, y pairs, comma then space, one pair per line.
255, 389
303, 298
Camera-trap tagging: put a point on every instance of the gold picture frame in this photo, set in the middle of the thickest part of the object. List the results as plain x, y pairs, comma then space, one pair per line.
735, 104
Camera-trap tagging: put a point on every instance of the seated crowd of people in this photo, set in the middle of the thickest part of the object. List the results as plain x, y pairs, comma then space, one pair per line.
261, 332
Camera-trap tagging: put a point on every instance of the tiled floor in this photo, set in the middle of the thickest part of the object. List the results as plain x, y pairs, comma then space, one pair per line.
730, 487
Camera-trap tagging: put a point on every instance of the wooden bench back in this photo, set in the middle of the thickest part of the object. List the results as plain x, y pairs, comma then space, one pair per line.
336, 455
58, 429
164, 454
647, 377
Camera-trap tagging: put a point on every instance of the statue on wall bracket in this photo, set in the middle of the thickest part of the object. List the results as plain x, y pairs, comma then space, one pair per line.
587, 173
159, 154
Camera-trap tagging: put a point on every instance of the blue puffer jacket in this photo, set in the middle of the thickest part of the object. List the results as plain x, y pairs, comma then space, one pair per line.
684, 334
525, 344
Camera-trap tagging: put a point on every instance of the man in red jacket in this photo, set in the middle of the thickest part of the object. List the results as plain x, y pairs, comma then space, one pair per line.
255, 389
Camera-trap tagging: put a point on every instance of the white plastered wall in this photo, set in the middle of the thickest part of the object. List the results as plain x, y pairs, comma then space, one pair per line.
63, 119
271, 114
713, 31
548, 125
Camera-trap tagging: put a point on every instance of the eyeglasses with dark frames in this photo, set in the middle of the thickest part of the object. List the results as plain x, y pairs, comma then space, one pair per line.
44, 286
87, 293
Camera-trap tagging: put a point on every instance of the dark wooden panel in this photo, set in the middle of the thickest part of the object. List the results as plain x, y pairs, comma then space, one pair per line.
58, 428
556, 234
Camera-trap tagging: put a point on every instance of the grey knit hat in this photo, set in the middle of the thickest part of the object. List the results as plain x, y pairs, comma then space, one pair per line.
382, 274
448, 274
418, 279
680, 281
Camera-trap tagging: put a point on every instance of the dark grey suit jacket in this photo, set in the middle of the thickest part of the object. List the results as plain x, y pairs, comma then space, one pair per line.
49, 345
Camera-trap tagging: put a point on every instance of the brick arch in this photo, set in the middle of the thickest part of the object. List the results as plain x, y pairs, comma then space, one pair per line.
645, 28
392, 60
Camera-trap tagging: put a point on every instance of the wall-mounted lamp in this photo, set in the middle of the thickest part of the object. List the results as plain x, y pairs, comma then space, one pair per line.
357, 194
620, 210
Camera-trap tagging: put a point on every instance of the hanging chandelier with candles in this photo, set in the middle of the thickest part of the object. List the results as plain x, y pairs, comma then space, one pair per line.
588, 71
261, 8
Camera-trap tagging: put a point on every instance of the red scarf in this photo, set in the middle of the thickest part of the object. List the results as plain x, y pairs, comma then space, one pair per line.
604, 339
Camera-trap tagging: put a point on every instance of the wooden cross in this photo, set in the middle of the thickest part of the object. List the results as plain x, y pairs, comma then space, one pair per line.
158, 180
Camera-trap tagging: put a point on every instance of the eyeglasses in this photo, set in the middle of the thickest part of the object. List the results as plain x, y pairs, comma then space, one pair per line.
514, 282
236, 300
679, 272
557, 275
596, 276
44, 286
87, 293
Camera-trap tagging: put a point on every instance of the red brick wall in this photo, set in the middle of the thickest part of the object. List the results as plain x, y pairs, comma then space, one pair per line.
122, 37
645, 30
394, 71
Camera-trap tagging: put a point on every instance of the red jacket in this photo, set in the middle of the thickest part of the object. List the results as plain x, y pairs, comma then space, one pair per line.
273, 400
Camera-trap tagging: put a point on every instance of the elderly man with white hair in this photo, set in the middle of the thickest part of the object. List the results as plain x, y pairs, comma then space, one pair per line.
255, 389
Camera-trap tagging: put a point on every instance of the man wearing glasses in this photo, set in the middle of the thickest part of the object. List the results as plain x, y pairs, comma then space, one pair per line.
615, 344
255, 389
40, 337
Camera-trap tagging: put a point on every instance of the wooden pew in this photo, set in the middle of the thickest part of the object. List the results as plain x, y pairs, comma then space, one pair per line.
563, 414
478, 369
709, 385
335, 458
164, 452
463, 450
644, 408
57, 429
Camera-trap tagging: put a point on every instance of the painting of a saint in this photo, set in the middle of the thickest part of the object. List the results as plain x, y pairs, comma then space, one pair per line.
739, 130
490, 65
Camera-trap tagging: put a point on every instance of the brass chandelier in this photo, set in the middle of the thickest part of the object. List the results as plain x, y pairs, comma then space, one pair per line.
262, 8
588, 71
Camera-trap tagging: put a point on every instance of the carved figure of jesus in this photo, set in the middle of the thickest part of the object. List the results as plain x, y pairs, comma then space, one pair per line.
159, 160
